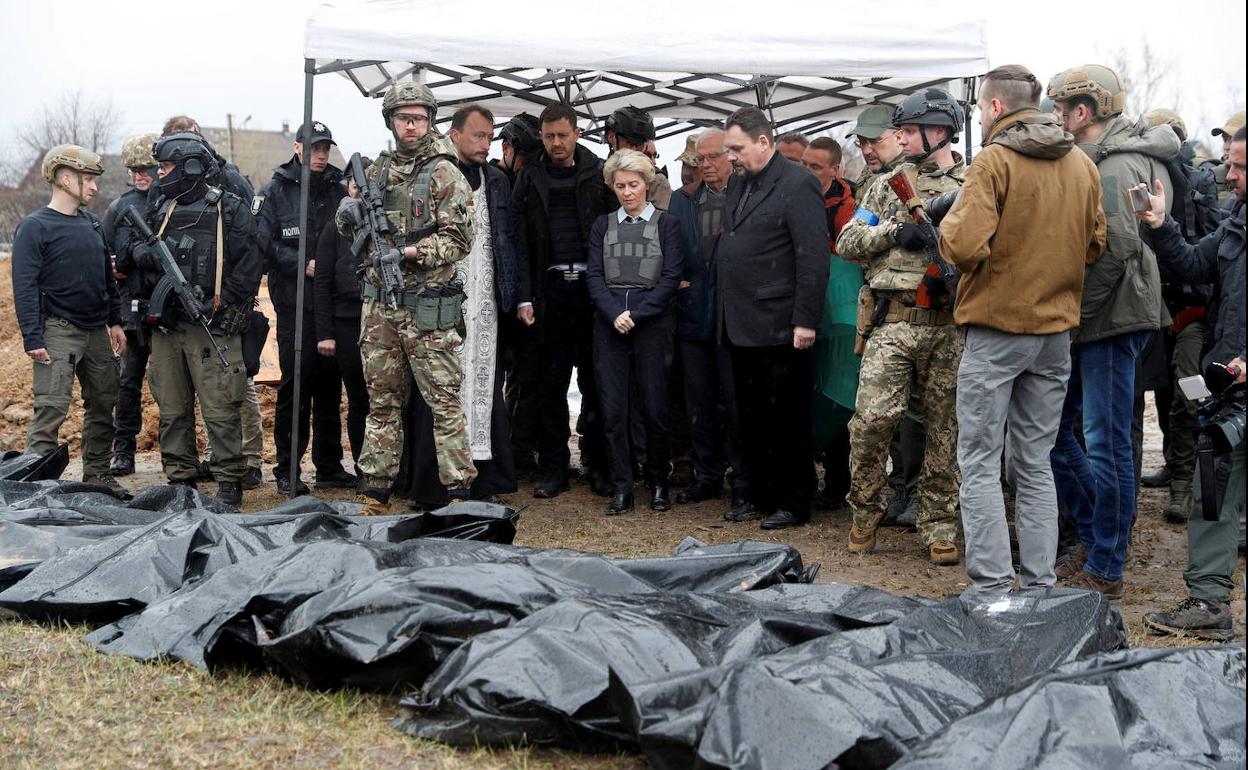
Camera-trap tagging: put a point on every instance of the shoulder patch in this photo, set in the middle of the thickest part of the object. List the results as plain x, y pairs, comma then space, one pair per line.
256, 202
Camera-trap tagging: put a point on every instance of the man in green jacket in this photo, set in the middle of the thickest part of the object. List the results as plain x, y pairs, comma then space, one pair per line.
1121, 306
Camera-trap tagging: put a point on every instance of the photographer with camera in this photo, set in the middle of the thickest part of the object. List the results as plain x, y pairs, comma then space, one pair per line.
1217, 258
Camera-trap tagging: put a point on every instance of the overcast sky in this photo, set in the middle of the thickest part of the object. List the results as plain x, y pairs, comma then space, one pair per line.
155, 58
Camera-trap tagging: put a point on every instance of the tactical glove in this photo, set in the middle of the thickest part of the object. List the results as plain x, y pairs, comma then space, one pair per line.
911, 237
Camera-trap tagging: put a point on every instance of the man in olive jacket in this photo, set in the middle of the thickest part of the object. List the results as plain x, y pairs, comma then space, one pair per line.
1121, 307
1022, 278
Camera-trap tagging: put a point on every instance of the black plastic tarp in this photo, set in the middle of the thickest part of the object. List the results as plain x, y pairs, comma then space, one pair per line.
751, 682
378, 615
1179, 708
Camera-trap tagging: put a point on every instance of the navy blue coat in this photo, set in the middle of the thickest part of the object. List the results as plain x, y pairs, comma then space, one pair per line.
498, 193
695, 319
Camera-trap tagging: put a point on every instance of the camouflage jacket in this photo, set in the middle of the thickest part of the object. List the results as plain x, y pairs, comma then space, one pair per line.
449, 212
887, 266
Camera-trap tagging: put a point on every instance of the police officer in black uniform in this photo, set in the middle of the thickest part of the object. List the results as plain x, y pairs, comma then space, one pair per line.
212, 238
277, 229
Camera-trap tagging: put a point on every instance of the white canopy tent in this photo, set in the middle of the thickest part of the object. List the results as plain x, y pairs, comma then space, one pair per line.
689, 64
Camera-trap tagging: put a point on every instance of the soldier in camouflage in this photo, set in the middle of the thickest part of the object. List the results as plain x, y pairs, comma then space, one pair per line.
910, 346
429, 204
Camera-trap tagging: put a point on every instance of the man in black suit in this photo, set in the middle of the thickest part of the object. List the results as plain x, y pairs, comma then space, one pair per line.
773, 272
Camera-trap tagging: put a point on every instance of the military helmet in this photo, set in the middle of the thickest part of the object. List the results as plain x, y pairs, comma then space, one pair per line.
929, 107
1095, 81
73, 157
631, 122
407, 94
1162, 116
136, 151
523, 134
193, 162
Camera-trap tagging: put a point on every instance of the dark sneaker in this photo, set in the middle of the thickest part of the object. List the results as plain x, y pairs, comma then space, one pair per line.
205, 472
699, 491
783, 520
1112, 589
252, 479
1194, 617
108, 484
230, 493
743, 510
283, 485
122, 464
909, 518
1159, 479
896, 506
550, 487
339, 479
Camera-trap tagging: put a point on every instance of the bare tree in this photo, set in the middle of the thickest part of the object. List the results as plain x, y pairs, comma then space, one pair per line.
1149, 78
72, 119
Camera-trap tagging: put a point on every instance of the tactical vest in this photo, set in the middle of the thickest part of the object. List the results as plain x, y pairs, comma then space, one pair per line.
631, 255
899, 269
191, 235
407, 203
711, 214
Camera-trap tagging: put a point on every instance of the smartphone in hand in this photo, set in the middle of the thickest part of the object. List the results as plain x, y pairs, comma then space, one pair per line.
1139, 200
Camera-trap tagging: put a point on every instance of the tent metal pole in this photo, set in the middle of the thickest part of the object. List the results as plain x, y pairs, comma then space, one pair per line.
305, 181
970, 101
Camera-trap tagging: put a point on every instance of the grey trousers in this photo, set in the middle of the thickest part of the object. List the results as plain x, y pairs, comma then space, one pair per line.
1211, 545
1014, 381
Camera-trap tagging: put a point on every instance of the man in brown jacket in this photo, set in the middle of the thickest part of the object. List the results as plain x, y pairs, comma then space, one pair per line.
1025, 224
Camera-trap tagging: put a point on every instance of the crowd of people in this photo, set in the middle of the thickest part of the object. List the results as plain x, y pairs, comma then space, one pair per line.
1006, 314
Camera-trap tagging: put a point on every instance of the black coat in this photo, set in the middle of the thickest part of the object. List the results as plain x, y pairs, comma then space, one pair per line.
772, 258
278, 226
336, 286
131, 287
643, 304
530, 220
498, 193
1218, 259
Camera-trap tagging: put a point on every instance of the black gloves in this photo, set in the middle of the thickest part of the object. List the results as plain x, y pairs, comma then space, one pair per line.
911, 237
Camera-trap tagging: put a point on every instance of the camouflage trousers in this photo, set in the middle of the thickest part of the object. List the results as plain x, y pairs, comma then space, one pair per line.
389, 346
899, 356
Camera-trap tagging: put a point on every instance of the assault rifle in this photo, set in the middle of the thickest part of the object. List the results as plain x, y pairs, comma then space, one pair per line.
940, 284
172, 283
372, 227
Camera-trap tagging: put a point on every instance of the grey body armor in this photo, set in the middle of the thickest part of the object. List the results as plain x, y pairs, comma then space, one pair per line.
632, 257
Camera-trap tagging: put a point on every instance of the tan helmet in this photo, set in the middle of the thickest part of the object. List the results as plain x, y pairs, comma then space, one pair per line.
136, 151
73, 157
1163, 116
405, 94
1095, 81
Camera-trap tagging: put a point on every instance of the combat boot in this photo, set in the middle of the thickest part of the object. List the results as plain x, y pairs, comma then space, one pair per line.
1194, 617
107, 483
230, 492
862, 540
374, 502
943, 553
1179, 506
122, 464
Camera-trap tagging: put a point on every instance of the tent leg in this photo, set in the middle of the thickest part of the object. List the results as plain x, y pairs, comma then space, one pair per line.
305, 180
970, 102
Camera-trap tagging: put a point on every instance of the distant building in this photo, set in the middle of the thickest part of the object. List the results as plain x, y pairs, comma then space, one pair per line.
257, 153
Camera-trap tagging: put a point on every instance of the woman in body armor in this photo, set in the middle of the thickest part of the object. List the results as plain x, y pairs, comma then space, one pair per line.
210, 235
634, 268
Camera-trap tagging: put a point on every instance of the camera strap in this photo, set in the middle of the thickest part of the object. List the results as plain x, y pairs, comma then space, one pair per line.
1206, 466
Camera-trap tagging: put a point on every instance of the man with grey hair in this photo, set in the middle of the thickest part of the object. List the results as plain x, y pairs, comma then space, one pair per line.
710, 399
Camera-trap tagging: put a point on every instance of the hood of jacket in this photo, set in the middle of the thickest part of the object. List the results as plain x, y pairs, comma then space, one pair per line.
1032, 133
1124, 135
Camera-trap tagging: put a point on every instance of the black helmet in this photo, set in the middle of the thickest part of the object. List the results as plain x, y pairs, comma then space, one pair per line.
930, 107
631, 123
523, 134
193, 162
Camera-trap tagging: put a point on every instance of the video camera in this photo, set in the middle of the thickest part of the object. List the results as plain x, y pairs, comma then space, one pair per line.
1221, 410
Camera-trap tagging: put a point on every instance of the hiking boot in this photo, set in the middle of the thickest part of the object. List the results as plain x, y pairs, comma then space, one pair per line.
204, 473
909, 518
122, 464
1112, 589
283, 484
862, 540
230, 492
1179, 506
106, 483
252, 478
1159, 479
1194, 617
1071, 563
943, 553
372, 504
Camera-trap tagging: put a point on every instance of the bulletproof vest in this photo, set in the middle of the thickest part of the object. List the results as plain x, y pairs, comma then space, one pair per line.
191, 235
631, 255
407, 203
902, 270
711, 212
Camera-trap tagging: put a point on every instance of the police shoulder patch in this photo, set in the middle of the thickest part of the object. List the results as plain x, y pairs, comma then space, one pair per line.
256, 202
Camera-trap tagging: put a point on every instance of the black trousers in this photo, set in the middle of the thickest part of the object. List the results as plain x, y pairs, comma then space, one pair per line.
128, 414
320, 396
836, 465
565, 323
640, 363
773, 409
518, 345
711, 404
351, 368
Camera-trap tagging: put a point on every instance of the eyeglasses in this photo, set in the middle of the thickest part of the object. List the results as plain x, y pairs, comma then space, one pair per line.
710, 156
409, 119
865, 142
